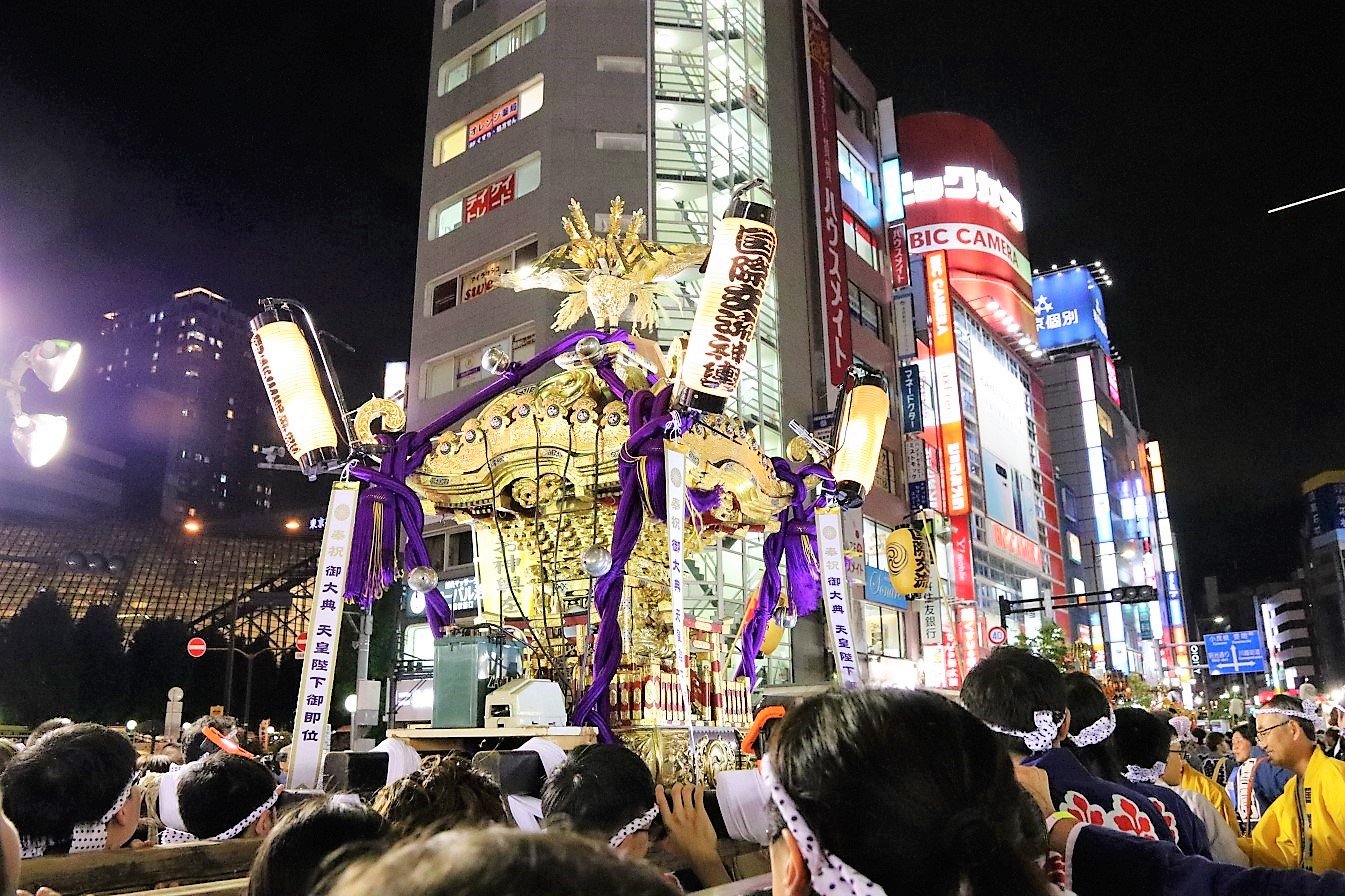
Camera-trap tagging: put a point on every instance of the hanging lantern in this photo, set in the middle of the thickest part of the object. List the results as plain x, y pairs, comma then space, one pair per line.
741, 252
290, 375
907, 554
859, 435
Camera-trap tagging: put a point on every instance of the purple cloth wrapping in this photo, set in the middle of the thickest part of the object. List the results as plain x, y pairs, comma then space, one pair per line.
796, 542
402, 513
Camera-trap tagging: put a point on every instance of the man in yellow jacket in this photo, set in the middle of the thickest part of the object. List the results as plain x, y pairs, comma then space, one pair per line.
1305, 827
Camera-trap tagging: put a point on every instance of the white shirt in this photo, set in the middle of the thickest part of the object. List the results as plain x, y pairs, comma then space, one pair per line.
1223, 840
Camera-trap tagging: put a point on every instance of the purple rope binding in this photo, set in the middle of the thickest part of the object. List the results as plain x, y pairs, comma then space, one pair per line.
796, 542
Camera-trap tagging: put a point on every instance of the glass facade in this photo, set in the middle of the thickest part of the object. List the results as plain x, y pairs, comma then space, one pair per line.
710, 133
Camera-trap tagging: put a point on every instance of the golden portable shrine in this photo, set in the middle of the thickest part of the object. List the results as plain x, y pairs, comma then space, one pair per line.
588, 487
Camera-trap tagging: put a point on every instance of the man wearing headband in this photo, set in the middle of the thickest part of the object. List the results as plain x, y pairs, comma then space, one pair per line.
224, 797
1305, 827
73, 791
1022, 698
605, 791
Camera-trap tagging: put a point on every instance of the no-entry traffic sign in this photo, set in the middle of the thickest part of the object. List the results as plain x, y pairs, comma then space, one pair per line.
196, 647
301, 642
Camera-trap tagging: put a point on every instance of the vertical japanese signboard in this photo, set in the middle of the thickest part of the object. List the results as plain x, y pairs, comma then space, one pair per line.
896, 252
324, 633
835, 593
826, 174
675, 478
948, 392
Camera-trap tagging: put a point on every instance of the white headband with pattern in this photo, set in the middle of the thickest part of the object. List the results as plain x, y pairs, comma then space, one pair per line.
1038, 741
1097, 732
1141, 775
172, 835
639, 824
89, 837
830, 874
1306, 715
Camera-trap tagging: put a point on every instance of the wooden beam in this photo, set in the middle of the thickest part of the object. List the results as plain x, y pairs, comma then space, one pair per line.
129, 870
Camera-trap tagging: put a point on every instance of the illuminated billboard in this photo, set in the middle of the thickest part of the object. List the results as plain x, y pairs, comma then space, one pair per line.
1003, 409
1069, 309
947, 389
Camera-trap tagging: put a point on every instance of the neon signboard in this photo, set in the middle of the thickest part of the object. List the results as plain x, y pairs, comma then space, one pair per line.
963, 182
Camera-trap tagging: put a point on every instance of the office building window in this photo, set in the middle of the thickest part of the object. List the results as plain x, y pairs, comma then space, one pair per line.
477, 279
486, 122
482, 56
852, 168
452, 213
462, 368
858, 238
866, 311
849, 105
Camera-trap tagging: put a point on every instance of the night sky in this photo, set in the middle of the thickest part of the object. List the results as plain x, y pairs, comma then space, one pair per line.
275, 149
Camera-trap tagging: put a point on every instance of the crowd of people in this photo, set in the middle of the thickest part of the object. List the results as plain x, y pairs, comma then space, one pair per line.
1033, 784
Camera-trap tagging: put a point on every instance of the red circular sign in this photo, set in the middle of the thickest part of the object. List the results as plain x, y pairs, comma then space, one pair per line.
301, 643
998, 636
196, 647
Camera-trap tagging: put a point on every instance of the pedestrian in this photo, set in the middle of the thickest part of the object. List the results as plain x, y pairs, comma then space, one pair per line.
223, 797
1305, 826
1022, 698
73, 790
897, 791
314, 841
445, 792
1332, 745
499, 861
1255, 781
605, 791
1181, 773
1216, 762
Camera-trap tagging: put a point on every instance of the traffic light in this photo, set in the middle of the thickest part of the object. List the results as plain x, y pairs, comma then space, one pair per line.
1134, 594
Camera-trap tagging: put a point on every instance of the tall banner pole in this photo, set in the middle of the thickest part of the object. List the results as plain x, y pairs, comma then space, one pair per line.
675, 478
324, 635
836, 593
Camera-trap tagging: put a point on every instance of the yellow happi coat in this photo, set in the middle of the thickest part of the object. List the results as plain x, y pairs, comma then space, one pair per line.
1316, 803
1194, 780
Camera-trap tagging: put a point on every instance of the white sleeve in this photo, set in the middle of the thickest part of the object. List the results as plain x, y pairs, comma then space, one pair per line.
1223, 841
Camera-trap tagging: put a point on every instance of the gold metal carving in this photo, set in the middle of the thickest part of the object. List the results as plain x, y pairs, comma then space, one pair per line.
613, 276
385, 409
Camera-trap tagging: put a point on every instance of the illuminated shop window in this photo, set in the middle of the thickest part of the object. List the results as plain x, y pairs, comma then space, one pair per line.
490, 51
477, 279
852, 168
462, 368
858, 238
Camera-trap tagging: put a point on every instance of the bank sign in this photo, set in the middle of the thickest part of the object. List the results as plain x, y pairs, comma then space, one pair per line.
1069, 309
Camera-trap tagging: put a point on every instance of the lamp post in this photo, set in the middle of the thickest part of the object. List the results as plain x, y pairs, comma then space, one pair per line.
39, 437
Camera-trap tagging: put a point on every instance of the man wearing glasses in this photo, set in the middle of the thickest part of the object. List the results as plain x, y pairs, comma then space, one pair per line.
1305, 827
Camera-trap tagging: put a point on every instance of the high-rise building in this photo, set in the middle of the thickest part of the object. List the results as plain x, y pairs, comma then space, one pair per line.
180, 382
984, 449
669, 105
1282, 617
1324, 571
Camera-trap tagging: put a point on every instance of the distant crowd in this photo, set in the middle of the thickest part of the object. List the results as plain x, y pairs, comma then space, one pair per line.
1034, 784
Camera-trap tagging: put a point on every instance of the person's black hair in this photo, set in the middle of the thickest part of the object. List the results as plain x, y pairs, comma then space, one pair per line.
1008, 687
8, 750
598, 790
1214, 740
71, 776
1248, 732
194, 742
445, 792
1088, 703
1293, 704
46, 728
1142, 738
220, 791
1198, 734
500, 861
308, 842
912, 791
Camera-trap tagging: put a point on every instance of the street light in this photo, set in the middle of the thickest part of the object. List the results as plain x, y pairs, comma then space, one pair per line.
192, 526
38, 437
1218, 620
131, 725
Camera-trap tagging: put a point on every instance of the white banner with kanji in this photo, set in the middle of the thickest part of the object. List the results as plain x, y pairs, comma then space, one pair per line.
674, 469
836, 593
324, 635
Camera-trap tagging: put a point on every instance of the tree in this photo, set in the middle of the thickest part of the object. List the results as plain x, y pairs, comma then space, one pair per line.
157, 660
100, 667
1050, 643
36, 681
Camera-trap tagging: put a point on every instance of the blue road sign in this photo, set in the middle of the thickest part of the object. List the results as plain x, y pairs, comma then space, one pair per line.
1232, 653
